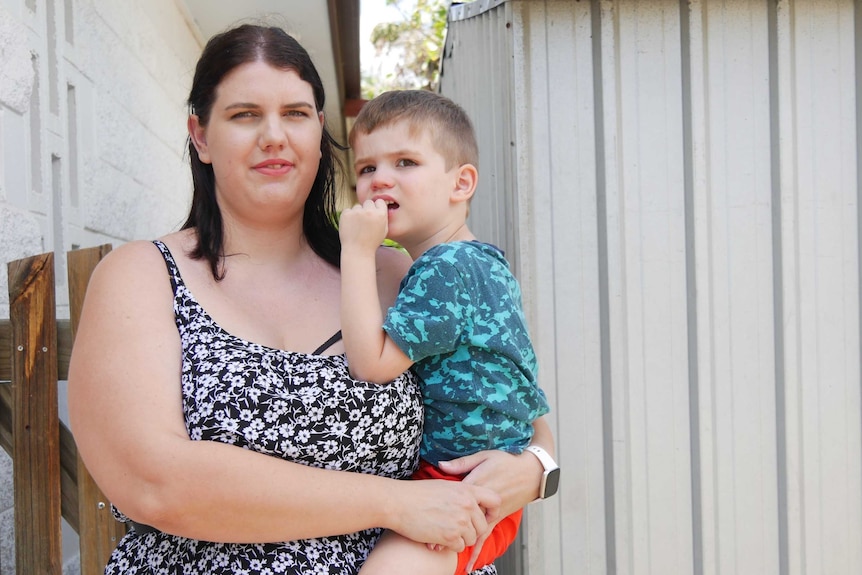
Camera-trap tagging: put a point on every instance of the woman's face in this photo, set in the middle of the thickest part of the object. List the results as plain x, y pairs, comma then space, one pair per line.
263, 141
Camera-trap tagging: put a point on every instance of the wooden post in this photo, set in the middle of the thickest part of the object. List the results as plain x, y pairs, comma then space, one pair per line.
68, 451
35, 419
98, 530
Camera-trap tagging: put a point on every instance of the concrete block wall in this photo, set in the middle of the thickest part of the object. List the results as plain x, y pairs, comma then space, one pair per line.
92, 143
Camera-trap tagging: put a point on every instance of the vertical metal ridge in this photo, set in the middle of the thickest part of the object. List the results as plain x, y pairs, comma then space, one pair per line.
604, 295
691, 289
778, 291
857, 34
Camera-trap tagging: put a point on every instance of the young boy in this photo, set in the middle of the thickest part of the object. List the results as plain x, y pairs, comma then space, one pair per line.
458, 318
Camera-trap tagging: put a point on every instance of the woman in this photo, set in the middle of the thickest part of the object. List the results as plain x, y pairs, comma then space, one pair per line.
220, 336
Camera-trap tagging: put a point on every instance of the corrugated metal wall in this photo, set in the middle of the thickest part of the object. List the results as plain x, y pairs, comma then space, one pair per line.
677, 185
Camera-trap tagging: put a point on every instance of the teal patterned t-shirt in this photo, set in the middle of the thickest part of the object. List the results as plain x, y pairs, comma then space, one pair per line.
459, 317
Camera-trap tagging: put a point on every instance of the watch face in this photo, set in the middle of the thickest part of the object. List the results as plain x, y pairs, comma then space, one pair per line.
552, 482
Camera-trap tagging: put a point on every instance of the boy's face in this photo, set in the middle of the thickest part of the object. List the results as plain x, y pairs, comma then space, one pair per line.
407, 171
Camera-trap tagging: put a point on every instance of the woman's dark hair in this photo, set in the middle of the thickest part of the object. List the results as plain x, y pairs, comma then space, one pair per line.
223, 53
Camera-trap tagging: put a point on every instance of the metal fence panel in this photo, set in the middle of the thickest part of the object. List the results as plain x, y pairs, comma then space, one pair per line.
677, 186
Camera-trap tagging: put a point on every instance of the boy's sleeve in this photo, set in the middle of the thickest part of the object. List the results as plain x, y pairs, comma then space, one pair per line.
430, 314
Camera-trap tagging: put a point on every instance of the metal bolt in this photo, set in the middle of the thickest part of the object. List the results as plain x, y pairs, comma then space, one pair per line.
44, 349
101, 505
20, 348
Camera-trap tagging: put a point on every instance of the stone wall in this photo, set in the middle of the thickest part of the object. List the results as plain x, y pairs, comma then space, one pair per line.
92, 141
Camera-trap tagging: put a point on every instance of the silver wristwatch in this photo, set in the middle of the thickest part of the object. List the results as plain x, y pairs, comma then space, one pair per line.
551, 477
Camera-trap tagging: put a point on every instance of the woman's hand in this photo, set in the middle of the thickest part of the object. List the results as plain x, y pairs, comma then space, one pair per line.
515, 478
442, 513
506, 474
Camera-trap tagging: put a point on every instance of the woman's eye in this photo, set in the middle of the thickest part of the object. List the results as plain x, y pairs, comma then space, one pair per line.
296, 114
239, 115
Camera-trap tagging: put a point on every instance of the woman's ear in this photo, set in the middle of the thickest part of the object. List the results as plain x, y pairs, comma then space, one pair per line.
322, 119
465, 183
198, 136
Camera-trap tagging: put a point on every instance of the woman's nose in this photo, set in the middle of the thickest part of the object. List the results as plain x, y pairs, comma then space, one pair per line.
273, 133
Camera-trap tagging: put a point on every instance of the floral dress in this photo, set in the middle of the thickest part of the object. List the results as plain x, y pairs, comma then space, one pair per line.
299, 407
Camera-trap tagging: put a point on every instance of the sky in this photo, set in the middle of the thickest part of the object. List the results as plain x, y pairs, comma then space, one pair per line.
372, 12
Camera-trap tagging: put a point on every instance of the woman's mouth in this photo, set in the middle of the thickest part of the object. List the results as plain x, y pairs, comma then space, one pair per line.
274, 167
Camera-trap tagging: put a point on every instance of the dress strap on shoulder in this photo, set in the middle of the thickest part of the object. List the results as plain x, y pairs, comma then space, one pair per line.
328, 343
173, 270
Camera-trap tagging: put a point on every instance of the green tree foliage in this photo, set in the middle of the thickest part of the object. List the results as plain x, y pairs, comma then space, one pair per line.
414, 42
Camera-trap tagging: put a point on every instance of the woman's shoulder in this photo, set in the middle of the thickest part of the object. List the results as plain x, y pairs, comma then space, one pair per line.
141, 255
394, 260
128, 259
136, 267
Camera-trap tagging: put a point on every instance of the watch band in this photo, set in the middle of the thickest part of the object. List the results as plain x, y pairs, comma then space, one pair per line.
551, 475
544, 457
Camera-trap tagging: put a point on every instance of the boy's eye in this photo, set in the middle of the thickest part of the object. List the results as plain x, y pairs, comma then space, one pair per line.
404, 162
366, 170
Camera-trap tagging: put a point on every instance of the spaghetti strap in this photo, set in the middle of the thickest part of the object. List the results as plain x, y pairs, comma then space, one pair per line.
328, 343
173, 270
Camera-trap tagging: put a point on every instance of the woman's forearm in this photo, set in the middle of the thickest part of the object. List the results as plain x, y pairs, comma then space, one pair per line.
219, 492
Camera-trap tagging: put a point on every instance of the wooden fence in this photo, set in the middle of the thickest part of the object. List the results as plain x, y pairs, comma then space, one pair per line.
49, 478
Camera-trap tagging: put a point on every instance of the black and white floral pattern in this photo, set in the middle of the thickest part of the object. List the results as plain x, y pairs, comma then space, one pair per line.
299, 407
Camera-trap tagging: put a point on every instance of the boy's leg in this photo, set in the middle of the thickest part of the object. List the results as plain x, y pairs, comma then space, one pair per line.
396, 555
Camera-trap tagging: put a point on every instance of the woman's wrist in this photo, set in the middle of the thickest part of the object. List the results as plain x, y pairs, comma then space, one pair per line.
545, 460
536, 471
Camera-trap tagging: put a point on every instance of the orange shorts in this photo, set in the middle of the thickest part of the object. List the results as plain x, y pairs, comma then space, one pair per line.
497, 542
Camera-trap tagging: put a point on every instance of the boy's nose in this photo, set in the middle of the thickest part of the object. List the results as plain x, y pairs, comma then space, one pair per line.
382, 179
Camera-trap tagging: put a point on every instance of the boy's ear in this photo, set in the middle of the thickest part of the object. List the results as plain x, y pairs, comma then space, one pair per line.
465, 183
198, 136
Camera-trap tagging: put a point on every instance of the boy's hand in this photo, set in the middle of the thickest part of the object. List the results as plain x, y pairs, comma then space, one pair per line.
364, 225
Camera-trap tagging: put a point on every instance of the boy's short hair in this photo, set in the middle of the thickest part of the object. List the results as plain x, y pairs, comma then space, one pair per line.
448, 125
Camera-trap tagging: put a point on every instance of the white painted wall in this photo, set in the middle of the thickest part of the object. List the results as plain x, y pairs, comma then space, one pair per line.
92, 137
92, 124
677, 185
